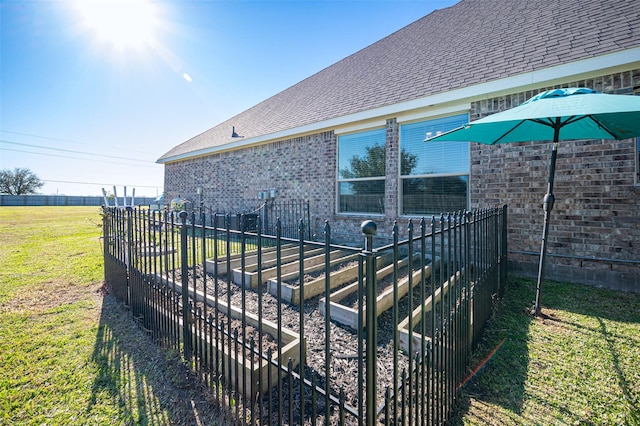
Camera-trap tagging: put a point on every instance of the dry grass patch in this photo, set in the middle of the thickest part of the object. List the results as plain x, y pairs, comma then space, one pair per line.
47, 296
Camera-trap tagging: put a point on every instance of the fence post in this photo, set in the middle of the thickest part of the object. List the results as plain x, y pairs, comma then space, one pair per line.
106, 240
369, 229
504, 261
471, 264
129, 254
302, 346
184, 264
327, 322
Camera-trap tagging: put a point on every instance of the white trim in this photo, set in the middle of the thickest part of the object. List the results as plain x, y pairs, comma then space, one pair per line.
626, 60
360, 126
623, 60
433, 113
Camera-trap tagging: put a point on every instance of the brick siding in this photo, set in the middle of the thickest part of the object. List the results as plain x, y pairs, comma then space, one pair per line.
596, 214
298, 169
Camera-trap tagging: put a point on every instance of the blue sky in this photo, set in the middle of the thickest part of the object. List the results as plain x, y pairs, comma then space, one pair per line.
91, 97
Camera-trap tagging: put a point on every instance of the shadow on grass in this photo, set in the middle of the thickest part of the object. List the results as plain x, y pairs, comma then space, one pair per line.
592, 301
146, 384
501, 360
596, 333
621, 375
608, 308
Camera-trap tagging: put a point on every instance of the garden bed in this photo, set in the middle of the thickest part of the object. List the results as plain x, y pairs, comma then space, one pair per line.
289, 345
251, 257
419, 341
289, 263
342, 340
314, 282
348, 314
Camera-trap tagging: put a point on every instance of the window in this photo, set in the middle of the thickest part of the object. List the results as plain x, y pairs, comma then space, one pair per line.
361, 172
434, 175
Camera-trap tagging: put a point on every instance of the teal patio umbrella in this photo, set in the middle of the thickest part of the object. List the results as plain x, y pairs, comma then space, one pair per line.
555, 115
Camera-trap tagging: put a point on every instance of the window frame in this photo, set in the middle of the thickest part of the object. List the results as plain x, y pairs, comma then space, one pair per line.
340, 180
403, 178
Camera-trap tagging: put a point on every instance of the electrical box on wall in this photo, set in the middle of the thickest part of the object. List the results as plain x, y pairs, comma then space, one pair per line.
268, 194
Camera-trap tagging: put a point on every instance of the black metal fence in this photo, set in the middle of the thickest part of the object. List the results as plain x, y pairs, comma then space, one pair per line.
286, 213
293, 331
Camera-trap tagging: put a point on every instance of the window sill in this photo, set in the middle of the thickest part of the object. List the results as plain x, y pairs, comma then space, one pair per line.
353, 214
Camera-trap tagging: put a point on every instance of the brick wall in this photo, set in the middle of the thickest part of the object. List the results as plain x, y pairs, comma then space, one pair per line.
298, 169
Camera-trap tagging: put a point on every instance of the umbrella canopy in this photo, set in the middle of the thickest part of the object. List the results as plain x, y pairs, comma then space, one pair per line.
578, 113
555, 115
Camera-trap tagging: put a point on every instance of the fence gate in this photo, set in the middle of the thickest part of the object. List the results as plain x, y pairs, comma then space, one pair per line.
289, 213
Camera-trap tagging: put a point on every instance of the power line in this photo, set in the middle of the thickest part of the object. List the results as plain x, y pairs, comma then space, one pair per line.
73, 151
41, 137
73, 158
101, 184
55, 139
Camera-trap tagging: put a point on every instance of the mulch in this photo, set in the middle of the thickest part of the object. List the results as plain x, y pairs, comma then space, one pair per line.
343, 340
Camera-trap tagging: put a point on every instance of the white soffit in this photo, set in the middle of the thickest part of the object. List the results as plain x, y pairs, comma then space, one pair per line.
434, 112
360, 126
588, 68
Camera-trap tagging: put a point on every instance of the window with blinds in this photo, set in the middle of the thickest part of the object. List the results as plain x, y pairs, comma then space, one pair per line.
434, 175
361, 172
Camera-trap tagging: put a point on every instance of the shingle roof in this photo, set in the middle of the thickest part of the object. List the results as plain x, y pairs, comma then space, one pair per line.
472, 42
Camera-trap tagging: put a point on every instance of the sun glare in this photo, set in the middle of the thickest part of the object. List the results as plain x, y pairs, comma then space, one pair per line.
124, 24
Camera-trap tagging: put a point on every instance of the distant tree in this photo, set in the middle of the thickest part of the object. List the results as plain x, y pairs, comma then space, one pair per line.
19, 181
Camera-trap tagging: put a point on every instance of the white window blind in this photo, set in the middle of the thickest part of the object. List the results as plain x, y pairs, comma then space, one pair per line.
435, 157
434, 175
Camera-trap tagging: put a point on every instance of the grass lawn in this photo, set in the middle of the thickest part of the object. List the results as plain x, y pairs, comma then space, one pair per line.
580, 365
70, 355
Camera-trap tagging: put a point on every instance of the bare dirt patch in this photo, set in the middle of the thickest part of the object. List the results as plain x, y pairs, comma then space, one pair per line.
44, 297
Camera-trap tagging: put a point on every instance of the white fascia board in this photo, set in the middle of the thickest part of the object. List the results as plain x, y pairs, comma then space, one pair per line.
360, 126
623, 60
434, 112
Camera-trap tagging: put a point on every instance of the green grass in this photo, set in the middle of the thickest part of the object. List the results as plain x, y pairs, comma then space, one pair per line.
49, 246
579, 365
69, 355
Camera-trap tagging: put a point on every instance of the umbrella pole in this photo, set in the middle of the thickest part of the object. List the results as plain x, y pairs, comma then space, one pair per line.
547, 205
